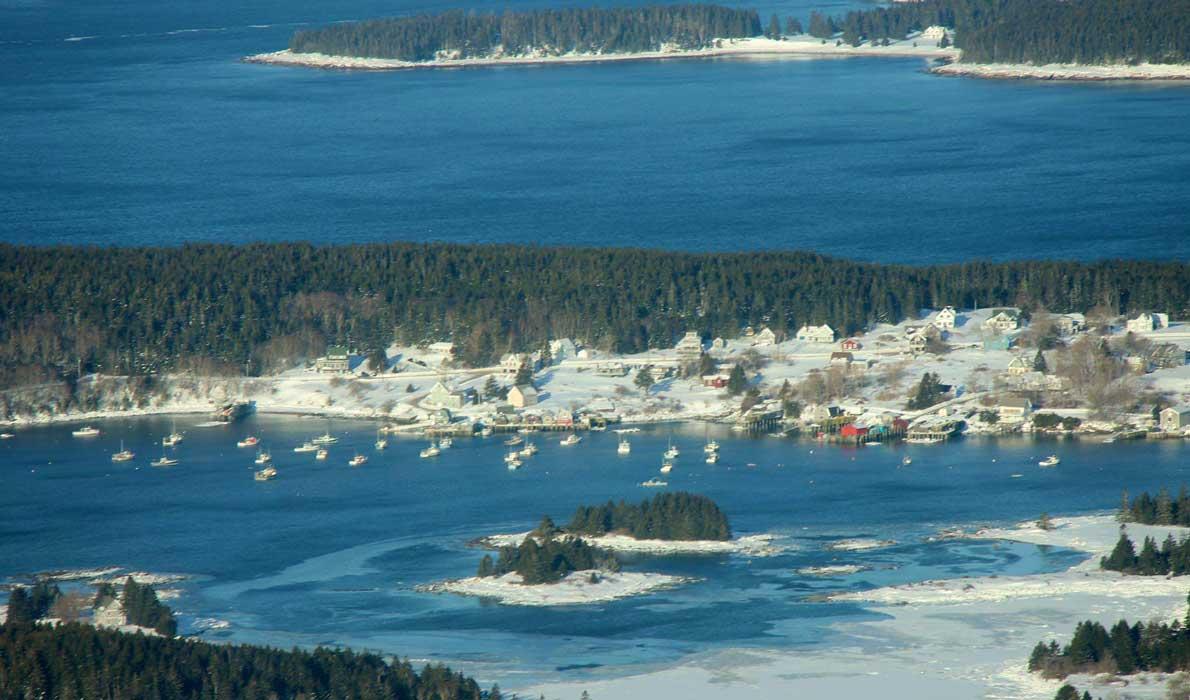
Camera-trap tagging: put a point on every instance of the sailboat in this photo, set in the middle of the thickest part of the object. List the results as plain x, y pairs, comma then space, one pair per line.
672, 452
381, 443
326, 438
528, 450
123, 455
173, 438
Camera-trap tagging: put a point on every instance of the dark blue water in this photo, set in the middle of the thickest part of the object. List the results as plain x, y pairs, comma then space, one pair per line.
332, 555
149, 132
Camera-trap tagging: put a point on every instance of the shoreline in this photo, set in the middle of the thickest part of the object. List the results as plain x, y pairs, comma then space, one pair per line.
749, 48
1065, 72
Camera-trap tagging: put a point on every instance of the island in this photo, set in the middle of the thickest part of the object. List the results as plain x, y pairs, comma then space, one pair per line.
1051, 39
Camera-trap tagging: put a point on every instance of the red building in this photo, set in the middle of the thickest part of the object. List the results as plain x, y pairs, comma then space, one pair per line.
851, 430
851, 344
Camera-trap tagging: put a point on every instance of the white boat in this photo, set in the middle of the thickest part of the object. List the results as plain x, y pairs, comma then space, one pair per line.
486, 432
163, 462
1051, 461
250, 441
513, 456
357, 461
123, 455
514, 440
265, 474
173, 438
263, 457
6, 436
381, 443
599, 428
666, 468
528, 450
513, 464
671, 453
306, 447
711, 447
625, 431
712, 458
654, 483
445, 443
321, 453
872, 443
907, 461
571, 439
325, 439
431, 451
85, 431
923, 441
624, 448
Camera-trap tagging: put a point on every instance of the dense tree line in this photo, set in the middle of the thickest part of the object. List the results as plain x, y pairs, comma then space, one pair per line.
668, 516
80, 661
1172, 557
547, 557
585, 30
1125, 649
1035, 31
261, 307
1161, 509
142, 608
26, 606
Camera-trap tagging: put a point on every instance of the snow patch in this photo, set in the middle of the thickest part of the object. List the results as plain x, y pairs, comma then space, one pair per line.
575, 589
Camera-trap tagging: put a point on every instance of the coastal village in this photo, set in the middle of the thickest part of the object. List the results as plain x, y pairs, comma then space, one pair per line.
949, 372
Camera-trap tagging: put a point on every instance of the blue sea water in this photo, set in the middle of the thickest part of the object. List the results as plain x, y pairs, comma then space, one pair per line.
327, 554
133, 122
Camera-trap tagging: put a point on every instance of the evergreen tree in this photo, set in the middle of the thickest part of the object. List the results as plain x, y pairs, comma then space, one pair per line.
546, 356
737, 381
1067, 692
524, 375
706, 365
644, 379
1122, 557
793, 26
774, 30
1039, 362
491, 388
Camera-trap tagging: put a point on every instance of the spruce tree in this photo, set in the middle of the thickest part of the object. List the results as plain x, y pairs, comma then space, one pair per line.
644, 379
1039, 362
774, 31
737, 381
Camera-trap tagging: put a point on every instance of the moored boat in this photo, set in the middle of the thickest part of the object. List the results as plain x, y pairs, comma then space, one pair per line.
163, 462
1051, 461
357, 461
381, 443
321, 453
624, 447
307, 446
263, 457
250, 441
86, 431
712, 458
667, 467
123, 455
265, 474
431, 451
571, 439
654, 483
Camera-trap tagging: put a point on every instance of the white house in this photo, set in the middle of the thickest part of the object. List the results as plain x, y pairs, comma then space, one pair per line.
511, 363
1004, 321
522, 396
816, 334
1175, 418
441, 396
1015, 409
1147, 322
945, 319
935, 32
1019, 365
337, 360
920, 338
764, 338
689, 348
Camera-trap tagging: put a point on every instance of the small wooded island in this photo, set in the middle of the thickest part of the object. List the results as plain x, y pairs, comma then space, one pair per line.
1076, 39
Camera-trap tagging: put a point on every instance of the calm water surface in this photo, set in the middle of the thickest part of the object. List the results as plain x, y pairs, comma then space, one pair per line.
133, 123
329, 554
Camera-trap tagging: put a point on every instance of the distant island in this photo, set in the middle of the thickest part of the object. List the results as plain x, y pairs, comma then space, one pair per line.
1056, 39
668, 516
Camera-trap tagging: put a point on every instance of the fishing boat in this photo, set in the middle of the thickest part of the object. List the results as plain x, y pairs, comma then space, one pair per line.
250, 441
528, 450
321, 453
513, 464
307, 446
431, 451
263, 457
265, 474
173, 438
1051, 461
512, 456
514, 440
666, 467
624, 448
711, 447
357, 461
381, 443
123, 455
712, 458
86, 431
325, 439
445, 443
571, 439
163, 462
654, 483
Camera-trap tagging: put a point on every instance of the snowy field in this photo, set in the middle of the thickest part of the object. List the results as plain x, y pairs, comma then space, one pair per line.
577, 588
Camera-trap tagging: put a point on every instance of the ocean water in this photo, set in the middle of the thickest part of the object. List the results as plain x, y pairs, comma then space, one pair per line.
133, 122
327, 554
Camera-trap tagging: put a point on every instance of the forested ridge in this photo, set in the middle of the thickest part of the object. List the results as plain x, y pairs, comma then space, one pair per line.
79, 661
668, 516
1034, 31
261, 307
479, 34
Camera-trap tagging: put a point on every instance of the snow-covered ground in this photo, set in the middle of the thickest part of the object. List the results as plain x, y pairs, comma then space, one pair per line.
1066, 71
754, 47
748, 545
860, 545
577, 588
963, 639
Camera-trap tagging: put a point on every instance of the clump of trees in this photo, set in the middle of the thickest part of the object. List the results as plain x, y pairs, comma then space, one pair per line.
1161, 509
668, 516
142, 608
929, 392
77, 660
557, 31
1173, 557
26, 606
547, 556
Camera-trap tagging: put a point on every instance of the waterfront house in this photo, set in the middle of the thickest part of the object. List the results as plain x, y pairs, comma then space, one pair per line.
1015, 409
1069, 324
522, 395
851, 430
945, 319
1175, 418
1003, 321
336, 361
764, 338
1147, 322
816, 334
689, 348
441, 396
851, 344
